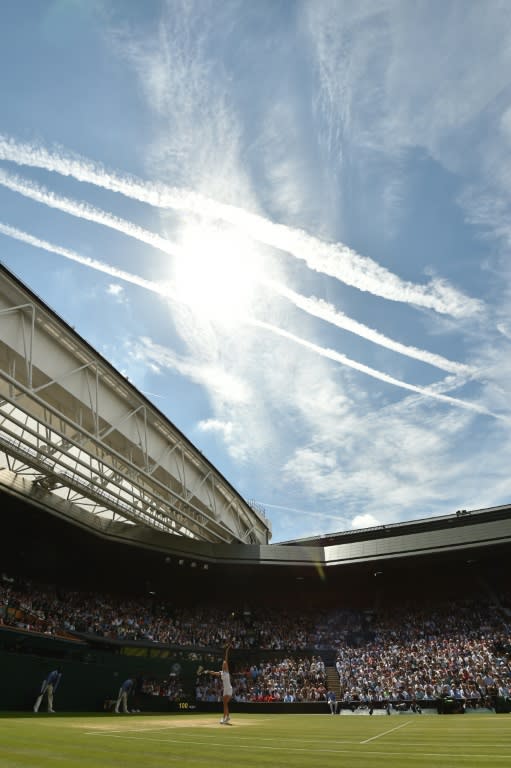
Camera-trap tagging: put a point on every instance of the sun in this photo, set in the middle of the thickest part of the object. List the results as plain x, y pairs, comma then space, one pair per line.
217, 273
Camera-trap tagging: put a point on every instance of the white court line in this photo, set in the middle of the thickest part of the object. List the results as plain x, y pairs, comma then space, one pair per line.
261, 747
386, 732
118, 734
120, 731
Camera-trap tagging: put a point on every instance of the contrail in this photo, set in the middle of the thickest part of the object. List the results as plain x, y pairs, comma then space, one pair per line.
325, 311
313, 306
165, 290
344, 360
333, 259
85, 211
298, 511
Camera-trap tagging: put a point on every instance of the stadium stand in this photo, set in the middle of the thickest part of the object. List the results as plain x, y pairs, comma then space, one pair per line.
414, 636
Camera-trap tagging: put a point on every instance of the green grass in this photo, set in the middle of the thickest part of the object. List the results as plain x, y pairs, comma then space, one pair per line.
300, 741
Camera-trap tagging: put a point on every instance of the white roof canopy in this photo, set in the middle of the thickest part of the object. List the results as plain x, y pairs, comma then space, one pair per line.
75, 427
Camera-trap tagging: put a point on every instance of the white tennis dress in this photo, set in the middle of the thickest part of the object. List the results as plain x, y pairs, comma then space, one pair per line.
226, 682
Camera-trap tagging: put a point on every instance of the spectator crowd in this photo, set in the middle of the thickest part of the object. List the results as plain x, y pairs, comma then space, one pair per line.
453, 650
411, 654
279, 680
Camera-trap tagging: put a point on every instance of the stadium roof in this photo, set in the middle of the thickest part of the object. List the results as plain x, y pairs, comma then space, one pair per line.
78, 438
460, 537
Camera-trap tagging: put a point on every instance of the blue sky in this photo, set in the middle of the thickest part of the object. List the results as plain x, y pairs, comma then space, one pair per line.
288, 224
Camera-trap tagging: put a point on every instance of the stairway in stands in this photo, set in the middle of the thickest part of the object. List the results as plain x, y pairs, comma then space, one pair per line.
332, 681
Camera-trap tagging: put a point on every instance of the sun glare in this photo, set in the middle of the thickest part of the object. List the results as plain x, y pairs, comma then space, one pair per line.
217, 274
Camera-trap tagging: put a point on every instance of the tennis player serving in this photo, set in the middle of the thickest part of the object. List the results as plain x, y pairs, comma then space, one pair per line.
225, 676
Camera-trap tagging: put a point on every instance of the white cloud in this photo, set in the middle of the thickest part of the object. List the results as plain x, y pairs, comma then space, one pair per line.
114, 289
398, 462
188, 91
230, 434
364, 521
209, 372
215, 425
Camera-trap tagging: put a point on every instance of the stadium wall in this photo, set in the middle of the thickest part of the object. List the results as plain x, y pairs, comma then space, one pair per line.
90, 678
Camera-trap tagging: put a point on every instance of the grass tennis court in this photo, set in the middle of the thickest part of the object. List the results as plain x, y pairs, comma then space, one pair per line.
301, 741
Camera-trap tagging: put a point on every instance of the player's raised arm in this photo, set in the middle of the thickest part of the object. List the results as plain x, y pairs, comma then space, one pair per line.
225, 663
